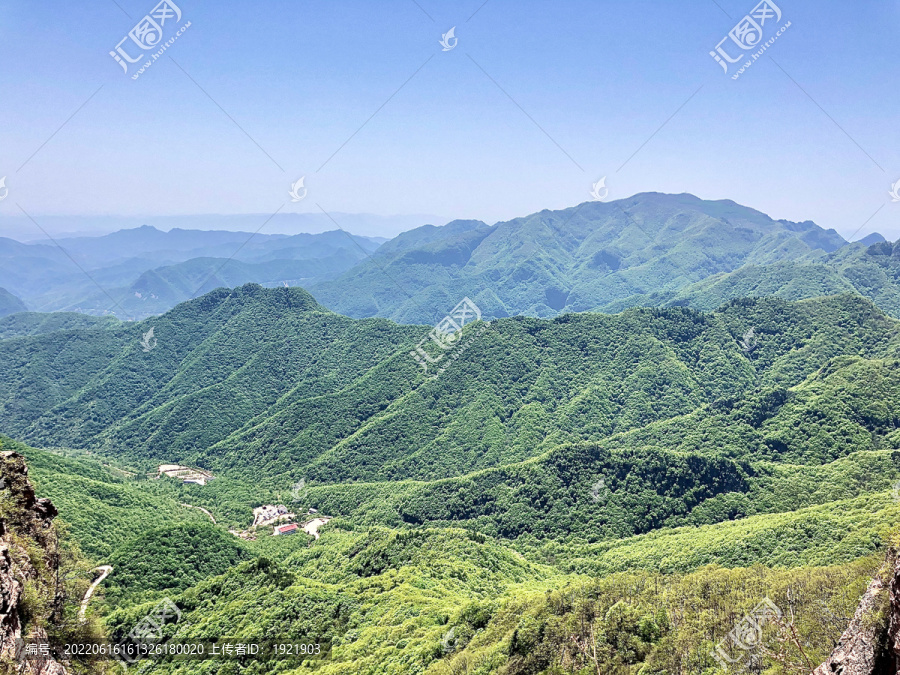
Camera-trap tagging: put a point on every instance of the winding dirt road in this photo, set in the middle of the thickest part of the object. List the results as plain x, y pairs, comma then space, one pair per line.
105, 572
200, 508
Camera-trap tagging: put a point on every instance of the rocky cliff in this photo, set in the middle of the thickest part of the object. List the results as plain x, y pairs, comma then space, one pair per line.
871, 643
29, 563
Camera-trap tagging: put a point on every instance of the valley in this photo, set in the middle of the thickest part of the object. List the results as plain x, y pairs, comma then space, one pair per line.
567, 484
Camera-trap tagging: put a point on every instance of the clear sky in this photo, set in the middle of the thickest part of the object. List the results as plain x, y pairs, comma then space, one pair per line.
537, 101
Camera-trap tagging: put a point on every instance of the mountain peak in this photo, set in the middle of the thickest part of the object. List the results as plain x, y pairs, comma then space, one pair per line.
275, 299
598, 256
869, 239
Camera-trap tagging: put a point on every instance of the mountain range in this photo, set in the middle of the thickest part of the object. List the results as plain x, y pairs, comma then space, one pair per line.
478, 512
649, 250
24, 229
144, 271
266, 383
665, 415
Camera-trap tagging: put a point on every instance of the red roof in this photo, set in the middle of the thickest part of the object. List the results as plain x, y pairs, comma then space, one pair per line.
284, 529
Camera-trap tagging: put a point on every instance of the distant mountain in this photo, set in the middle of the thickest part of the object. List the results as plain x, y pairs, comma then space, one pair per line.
144, 271
595, 256
364, 224
10, 304
870, 271
179, 245
649, 250
869, 239
158, 290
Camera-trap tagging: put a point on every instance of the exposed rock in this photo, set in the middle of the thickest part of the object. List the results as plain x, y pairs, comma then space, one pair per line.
862, 650
30, 519
893, 641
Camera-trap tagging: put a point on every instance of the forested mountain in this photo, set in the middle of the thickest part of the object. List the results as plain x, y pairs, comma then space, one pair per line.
551, 495
144, 271
561, 495
595, 256
649, 250
267, 384
871, 271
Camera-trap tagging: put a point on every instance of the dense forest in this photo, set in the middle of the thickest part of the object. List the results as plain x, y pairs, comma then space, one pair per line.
656, 250
587, 493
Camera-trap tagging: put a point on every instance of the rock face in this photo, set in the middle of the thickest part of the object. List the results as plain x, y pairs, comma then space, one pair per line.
893, 641
23, 518
871, 643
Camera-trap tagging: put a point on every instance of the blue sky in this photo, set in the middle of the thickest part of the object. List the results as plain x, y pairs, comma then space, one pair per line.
586, 85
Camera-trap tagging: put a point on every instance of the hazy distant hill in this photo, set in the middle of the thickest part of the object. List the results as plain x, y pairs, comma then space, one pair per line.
178, 245
596, 256
144, 271
10, 304
365, 224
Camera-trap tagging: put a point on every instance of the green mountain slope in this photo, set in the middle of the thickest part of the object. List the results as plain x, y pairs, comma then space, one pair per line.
10, 304
582, 258
634, 482
36, 323
440, 600
266, 383
873, 272
105, 507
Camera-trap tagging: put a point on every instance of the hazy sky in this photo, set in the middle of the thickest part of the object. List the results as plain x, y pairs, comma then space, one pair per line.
537, 101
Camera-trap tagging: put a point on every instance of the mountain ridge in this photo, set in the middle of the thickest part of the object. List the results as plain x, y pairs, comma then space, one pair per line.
581, 258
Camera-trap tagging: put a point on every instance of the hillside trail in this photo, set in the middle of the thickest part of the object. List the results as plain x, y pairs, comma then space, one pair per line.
191, 506
105, 572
